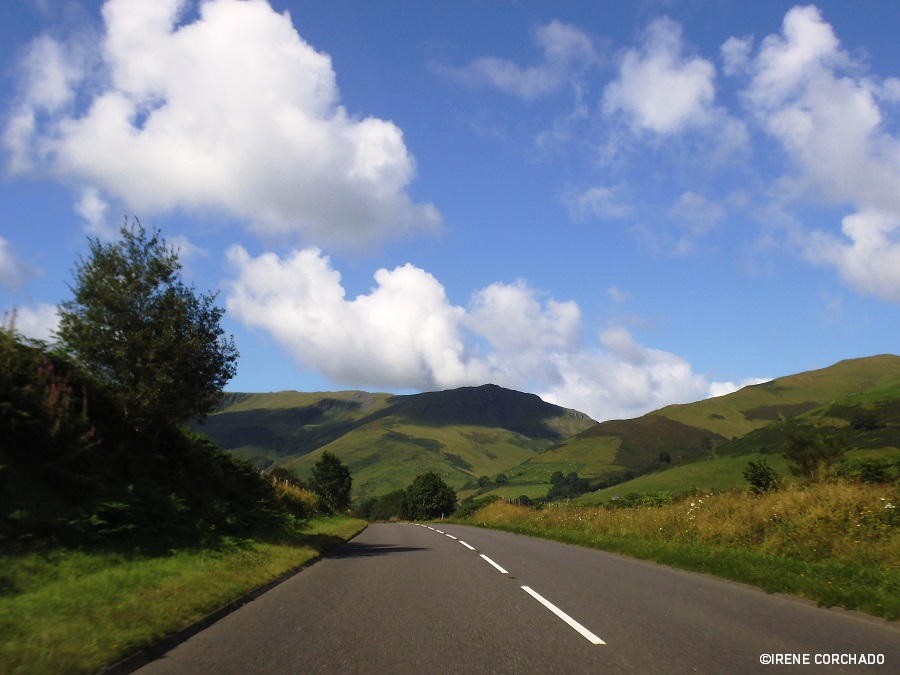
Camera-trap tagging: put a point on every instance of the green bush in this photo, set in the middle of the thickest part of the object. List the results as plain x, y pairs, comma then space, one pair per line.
761, 476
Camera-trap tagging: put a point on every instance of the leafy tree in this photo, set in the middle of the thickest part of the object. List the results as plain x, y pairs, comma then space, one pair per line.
331, 480
285, 475
810, 455
391, 505
761, 476
501, 479
154, 341
429, 497
569, 487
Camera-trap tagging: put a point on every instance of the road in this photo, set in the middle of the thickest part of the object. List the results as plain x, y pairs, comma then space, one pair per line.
404, 598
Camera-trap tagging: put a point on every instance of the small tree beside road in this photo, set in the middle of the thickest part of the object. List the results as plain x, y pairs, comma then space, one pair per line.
331, 480
429, 497
154, 343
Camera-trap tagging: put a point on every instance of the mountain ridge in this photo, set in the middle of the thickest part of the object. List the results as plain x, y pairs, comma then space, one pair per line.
470, 432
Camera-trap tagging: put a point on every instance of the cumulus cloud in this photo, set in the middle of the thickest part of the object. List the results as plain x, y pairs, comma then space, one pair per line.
406, 333
93, 208
231, 112
37, 323
809, 94
723, 388
659, 88
13, 272
623, 379
566, 50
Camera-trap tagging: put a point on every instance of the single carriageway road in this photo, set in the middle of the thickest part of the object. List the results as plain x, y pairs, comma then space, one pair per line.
407, 598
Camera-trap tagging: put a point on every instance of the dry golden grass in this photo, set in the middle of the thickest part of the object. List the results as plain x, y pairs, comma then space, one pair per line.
835, 521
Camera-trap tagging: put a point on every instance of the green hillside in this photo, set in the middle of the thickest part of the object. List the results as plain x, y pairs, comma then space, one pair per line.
466, 433
385, 440
759, 405
867, 421
692, 431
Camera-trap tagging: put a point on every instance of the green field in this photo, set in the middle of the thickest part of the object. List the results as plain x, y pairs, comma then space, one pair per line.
716, 474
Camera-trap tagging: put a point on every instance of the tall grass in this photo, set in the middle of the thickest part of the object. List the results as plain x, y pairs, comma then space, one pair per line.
834, 542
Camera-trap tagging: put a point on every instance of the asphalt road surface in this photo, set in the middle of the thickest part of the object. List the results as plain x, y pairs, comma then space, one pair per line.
405, 598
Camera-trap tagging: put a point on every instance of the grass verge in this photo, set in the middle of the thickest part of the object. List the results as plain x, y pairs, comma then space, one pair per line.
64, 611
836, 544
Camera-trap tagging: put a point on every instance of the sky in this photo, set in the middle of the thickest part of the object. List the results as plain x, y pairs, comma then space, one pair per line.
616, 206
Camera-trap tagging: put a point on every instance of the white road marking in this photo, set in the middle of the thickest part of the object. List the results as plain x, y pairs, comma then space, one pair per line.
565, 617
439, 532
429, 527
450, 535
471, 548
502, 571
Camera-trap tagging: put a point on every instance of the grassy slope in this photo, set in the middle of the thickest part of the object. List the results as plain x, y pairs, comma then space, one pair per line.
460, 434
386, 440
757, 406
387, 455
725, 467
79, 611
828, 397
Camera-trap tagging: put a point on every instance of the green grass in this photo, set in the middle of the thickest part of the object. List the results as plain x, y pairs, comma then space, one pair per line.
65, 611
540, 470
386, 455
583, 454
725, 415
532, 491
717, 473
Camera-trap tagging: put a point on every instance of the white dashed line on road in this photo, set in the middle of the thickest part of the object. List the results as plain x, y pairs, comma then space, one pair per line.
500, 569
588, 635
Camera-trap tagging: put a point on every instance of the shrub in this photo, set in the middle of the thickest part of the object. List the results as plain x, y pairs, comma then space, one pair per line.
761, 476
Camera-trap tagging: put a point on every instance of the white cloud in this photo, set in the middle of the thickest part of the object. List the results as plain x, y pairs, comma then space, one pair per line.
867, 257
624, 380
723, 388
618, 295
406, 333
37, 323
232, 112
185, 248
807, 93
736, 54
599, 201
93, 208
566, 50
660, 89
13, 272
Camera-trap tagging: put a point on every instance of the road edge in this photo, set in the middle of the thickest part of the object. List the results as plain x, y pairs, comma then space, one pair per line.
158, 649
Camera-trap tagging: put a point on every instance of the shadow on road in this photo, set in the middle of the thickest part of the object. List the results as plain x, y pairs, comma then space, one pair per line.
360, 550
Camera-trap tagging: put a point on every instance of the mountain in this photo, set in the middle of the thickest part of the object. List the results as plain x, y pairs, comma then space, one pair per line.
470, 432
385, 440
858, 398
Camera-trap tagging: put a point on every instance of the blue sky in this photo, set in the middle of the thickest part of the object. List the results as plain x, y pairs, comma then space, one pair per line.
616, 206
